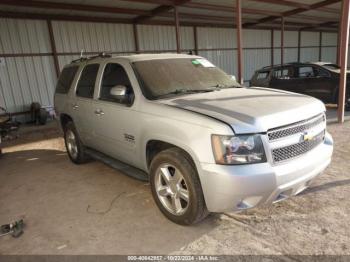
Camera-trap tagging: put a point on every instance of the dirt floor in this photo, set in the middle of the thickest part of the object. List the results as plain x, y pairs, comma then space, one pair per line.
93, 209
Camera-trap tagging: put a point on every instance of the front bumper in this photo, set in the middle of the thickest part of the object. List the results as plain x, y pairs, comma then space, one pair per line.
235, 188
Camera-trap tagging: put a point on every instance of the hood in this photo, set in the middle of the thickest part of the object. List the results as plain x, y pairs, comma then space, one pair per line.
250, 110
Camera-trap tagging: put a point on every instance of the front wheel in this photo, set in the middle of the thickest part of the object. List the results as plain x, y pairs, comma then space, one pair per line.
176, 188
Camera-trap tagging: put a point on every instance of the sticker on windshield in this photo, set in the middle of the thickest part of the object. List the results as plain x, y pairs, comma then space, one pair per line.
203, 62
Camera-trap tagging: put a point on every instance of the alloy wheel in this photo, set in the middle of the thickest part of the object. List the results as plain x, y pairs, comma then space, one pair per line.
172, 189
71, 142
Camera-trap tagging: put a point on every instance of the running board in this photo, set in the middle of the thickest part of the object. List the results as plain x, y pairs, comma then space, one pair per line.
118, 165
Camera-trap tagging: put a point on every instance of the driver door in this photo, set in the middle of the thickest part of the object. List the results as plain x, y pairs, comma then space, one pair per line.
115, 121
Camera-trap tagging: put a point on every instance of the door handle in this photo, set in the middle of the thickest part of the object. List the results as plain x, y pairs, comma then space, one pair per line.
75, 106
99, 112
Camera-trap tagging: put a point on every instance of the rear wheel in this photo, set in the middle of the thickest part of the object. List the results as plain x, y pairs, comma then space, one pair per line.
75, 148
176, 187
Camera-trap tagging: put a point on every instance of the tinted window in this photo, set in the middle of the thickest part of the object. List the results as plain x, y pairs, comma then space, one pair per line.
87, 81
262, 75
306, 71
65, 80
322, 72
115, 75
283, 73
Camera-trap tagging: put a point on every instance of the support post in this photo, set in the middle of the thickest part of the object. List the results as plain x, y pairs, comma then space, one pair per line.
136, 39
239, 40
282, 41
299, 44
177, 29
320, 47
272, 46
338, 45
344, 45
195, 36
339, 35
53, 48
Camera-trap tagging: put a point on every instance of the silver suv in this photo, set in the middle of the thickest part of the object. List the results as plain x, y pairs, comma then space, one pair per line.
205, 143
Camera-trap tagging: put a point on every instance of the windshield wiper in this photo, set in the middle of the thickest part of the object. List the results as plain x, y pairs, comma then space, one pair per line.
220, 86
187, 91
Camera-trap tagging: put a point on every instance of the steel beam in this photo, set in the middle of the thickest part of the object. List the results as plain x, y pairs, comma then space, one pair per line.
159, 10
144, 15
299, 44
338, 36
282, 41
177, 29
136, 38
320, 47
195, 37
53, 48
239, 41
295, 11
297, 5
36, 16
344, 45
78, 7
272, 46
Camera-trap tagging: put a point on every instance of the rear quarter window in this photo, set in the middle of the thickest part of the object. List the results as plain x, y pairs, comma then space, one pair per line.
65, 80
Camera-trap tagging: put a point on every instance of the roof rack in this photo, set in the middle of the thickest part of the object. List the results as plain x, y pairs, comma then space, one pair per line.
100, 55
80, 59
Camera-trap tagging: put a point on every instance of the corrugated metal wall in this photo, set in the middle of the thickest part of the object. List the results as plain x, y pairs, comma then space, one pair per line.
25, 79
162, 38
27, 71
290, 46
329, 49
217, 45
74, 37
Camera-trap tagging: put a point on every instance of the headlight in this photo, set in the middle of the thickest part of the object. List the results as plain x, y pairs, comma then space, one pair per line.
237, 150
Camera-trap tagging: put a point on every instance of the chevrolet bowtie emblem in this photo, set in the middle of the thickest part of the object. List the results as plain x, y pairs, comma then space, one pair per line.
307, 136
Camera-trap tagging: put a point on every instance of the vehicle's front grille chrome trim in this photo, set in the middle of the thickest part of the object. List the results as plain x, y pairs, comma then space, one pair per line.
315, 125
299, 127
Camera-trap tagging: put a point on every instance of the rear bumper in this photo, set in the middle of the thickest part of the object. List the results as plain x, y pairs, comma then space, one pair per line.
235, 188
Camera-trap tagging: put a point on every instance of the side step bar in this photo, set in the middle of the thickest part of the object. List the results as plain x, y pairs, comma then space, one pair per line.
118, 165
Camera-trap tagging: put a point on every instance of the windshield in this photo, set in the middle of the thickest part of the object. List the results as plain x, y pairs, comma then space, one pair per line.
169, 77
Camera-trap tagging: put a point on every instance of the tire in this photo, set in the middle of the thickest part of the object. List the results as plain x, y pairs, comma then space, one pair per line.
71, 139
347, 103
347, 99
170, 194
42, 118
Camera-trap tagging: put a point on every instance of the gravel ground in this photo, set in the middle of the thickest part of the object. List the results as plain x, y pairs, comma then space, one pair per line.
73, 209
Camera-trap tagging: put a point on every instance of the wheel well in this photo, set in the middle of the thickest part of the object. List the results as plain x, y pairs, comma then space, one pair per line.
64, 118
154, 147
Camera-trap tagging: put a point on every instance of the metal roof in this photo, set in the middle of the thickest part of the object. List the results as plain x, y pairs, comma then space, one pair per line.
298, 14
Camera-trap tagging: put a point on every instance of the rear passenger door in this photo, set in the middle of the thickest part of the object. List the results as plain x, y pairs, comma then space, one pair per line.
82, 104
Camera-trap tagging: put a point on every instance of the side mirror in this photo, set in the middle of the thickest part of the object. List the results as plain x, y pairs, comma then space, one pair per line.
118, 92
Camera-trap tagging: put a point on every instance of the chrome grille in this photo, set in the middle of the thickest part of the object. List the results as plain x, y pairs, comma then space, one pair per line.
291, 151
299, 127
